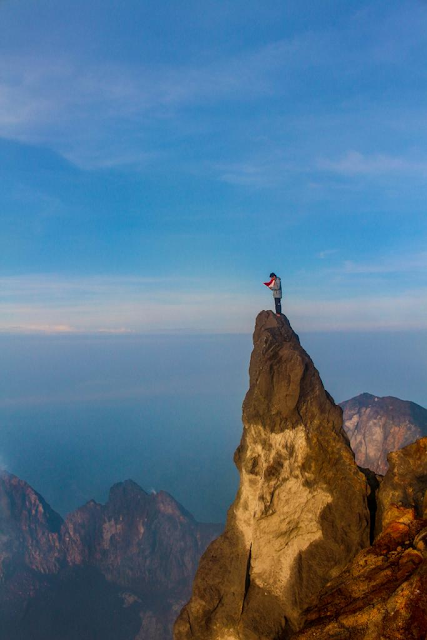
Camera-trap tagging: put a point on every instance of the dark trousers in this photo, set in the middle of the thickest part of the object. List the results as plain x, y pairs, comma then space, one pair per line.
278, 303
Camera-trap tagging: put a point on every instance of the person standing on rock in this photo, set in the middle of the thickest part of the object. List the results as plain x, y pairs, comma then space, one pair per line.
276, 286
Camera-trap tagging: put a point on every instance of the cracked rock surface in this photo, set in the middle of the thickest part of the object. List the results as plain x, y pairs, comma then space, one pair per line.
300, 514
405, 483
382, 594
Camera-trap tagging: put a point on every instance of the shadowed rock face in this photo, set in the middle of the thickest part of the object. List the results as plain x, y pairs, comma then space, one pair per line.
377, 426
300, 514
382, 594
121, 570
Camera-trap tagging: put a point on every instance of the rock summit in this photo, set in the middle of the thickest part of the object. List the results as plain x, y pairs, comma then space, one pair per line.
300, 514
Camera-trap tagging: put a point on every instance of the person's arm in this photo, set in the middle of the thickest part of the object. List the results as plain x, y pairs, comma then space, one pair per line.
275, 286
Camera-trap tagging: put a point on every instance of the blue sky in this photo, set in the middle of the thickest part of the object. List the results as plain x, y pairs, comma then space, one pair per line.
159, 159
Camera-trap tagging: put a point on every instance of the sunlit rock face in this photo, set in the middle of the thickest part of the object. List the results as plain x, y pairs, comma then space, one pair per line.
119, 571
300, 514
404, 485
377, 426
382, 594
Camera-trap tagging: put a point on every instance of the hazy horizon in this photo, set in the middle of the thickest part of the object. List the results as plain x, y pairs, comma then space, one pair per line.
81, 412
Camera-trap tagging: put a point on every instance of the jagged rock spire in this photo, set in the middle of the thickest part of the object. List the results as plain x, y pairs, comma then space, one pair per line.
300, 513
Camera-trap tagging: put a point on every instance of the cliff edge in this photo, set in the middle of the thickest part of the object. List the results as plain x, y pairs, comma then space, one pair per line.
300, 514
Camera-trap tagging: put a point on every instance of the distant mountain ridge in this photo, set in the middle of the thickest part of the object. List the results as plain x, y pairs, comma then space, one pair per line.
377, 425
116, 571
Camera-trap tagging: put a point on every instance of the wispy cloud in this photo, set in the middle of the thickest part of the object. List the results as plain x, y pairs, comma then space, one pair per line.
35, 90
318, 301
90, 112
55, 304
362, 313
64, 82
258, 172
391, 265
353, 163
326, 253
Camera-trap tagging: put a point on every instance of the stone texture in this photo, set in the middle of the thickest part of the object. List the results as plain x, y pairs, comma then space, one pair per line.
300, 514
137, 539
377, 426
118, 571
29, 529
382, 594
405, 483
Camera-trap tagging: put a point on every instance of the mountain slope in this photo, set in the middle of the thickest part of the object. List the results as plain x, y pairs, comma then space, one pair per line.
120, 570
377, 426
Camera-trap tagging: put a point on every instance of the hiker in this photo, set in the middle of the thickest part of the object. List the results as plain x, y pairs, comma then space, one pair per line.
276, 286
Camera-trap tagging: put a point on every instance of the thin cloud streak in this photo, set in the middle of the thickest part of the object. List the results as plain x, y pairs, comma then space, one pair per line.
399, 264
124, 308
355, 163
364, 313
326, 253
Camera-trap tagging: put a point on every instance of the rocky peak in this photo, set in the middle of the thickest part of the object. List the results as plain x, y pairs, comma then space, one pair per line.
122, 569
19, 502
30, 529
377, 425
300, 513
128, 536
127, 491
167, 505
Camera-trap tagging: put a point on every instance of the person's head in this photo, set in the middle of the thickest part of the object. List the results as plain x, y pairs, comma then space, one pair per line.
273, 275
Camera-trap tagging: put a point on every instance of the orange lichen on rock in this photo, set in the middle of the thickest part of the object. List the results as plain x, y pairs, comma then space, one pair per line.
382, 594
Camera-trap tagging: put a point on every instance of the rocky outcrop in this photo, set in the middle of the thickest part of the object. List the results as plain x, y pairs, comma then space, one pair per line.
300, 514
136, 539
122, 570
29, 529
377, 426
382, 594
404, 485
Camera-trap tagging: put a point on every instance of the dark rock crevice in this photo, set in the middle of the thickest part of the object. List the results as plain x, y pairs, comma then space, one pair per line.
374, 481
247, 580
